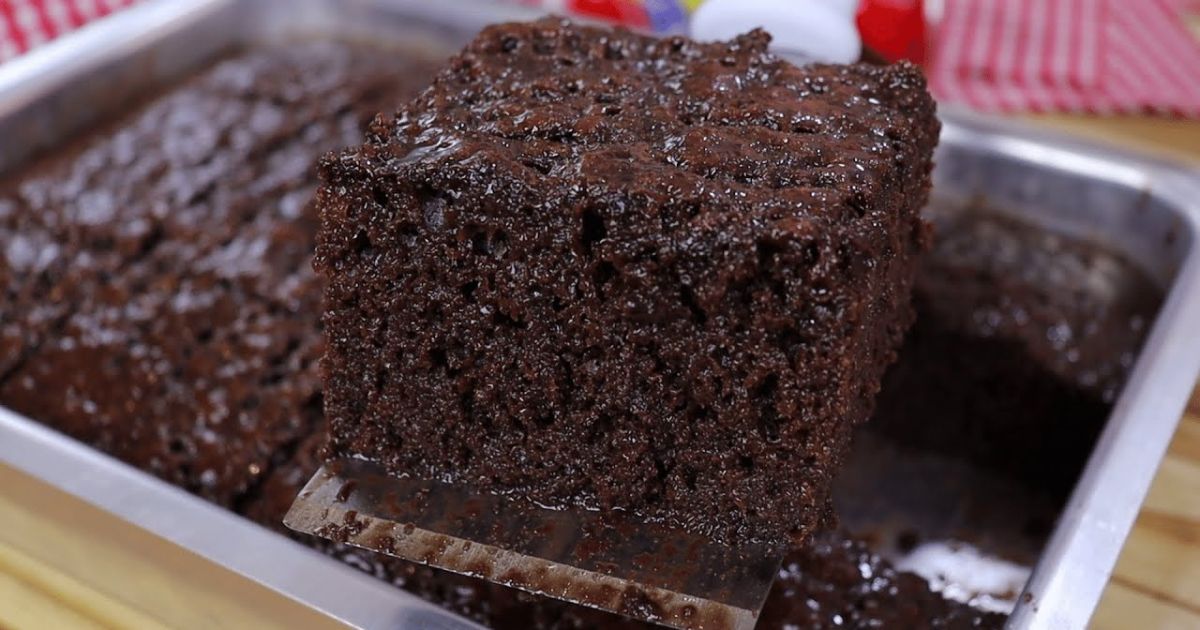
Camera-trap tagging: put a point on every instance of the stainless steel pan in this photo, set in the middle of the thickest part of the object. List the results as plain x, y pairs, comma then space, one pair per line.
1146, 208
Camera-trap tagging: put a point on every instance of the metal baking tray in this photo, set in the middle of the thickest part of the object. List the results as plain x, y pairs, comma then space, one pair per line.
1145, 208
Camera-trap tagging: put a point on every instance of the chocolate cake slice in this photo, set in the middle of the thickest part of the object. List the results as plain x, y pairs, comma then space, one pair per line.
594, 268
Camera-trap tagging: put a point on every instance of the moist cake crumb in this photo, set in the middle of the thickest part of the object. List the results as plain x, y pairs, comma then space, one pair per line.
601, 269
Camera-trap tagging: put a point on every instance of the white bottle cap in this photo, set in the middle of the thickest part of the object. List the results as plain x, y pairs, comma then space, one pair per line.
805, 30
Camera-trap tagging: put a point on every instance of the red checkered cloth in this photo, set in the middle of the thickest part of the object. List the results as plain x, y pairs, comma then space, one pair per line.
1096, 56
25, 24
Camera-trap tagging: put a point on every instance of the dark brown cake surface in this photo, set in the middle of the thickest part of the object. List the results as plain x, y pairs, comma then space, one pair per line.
601, 269
159, 299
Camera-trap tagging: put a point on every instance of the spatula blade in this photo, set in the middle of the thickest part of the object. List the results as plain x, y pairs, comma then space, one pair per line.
604, 560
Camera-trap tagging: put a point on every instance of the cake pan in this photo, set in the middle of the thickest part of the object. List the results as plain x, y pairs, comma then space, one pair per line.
1146, 208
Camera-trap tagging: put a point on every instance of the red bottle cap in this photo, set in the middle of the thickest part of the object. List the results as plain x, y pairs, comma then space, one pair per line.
894, 28
627, 12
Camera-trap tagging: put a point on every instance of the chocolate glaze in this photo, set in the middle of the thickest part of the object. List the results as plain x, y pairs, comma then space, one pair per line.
601, 269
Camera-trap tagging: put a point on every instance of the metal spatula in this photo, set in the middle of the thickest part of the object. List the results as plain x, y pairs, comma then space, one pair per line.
604, 560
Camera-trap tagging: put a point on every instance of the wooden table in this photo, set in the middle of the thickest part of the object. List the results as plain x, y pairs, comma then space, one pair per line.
1156, 584
1157, 580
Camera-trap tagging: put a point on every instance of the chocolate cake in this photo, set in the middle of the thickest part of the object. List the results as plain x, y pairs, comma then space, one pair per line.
1022, 341
160, 303
28, 254
98, 316
600, 269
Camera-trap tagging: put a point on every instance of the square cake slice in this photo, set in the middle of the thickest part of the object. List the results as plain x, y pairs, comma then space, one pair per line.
593, 268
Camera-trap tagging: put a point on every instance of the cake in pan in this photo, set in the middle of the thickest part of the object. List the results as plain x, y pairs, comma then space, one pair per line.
92, 323
605, 270
160, 301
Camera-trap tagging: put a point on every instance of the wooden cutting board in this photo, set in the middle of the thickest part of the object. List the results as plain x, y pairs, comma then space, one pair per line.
134, 584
